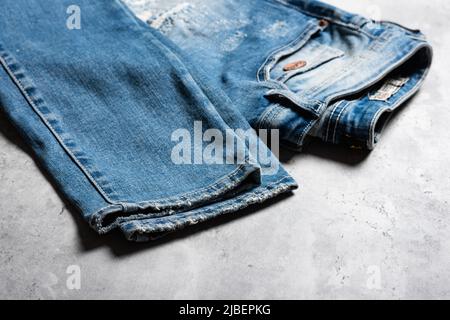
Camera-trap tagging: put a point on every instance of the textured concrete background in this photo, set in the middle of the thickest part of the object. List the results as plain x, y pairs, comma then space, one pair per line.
374, 226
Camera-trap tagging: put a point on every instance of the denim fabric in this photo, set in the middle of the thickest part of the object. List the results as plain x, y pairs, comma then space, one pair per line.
99, 106
303, 67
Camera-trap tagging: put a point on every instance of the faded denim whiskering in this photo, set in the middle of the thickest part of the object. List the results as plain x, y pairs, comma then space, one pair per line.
301, 66
99, 104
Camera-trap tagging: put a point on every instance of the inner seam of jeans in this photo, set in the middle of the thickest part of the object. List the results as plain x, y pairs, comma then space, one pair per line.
337, 121
327, 135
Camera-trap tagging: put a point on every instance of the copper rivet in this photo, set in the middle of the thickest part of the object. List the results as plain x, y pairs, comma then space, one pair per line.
323, 23
294, 65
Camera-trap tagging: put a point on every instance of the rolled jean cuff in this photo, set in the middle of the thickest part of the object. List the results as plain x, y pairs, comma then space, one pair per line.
152, 228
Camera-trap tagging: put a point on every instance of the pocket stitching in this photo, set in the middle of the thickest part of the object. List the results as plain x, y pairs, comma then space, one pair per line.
334, 54
263, 73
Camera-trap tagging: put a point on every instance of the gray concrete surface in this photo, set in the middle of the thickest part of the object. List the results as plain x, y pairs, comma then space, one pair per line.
360, 227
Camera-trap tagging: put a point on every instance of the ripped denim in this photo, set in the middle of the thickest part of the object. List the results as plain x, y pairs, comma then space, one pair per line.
104, 107
303, 67
132, 121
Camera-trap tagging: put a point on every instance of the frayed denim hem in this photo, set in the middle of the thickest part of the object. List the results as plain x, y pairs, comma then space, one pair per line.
144, 230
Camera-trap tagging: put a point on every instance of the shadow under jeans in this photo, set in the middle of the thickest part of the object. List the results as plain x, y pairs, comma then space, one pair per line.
90, 240
119, 246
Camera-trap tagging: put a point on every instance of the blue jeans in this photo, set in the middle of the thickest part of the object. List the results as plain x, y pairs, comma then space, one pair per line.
136, 125
99, 106
300, 66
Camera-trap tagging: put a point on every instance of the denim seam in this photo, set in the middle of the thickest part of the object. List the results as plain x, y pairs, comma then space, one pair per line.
286, 77
333, 20
266, 193
370, 141
302, 135
380, 42
327, 135
394, 63
377, 43
30, 101
243, 196
332, 79
220, 187
271, 112
173, 57
314, 107
304, 132
274, 115
232, 175
128, 12
287, 49
415, 33
295, 45
412, 91
338, 118
260, 122
389, 66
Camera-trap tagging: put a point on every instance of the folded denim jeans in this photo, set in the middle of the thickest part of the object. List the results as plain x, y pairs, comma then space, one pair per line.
303, 67
103, 104
99, 103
